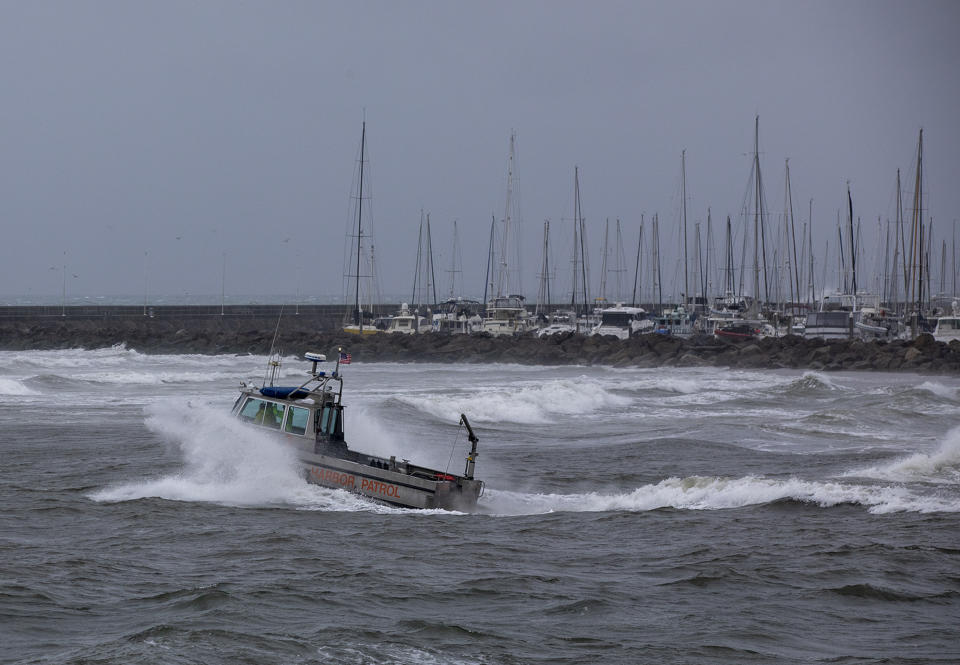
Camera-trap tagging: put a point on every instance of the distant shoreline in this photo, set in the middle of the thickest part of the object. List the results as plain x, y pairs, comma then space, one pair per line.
253, 333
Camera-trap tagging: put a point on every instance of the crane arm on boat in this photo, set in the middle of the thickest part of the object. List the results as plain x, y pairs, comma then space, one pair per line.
472, 456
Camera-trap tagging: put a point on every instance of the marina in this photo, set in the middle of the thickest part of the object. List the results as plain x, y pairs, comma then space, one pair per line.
446, 333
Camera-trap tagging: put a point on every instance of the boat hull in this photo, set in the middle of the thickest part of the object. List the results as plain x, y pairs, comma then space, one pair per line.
392, 486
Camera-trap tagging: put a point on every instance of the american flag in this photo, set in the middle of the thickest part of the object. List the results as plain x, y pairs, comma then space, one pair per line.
344, 358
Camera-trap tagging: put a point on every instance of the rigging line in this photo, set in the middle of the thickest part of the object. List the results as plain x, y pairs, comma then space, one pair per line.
273, 344
453, 448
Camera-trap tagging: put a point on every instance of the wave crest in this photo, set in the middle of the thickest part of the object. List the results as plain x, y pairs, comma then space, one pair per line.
810, 383
15, 387
941, 466
534, 404
717, 493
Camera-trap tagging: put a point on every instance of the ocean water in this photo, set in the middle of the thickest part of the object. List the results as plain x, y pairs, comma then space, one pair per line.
630, 516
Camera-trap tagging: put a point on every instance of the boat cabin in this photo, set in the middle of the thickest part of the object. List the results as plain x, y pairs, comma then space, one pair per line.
306, 419
947, 328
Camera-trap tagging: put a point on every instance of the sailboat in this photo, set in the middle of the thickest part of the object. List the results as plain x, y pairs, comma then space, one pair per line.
506, 313
456, 315
408, 321
356, 319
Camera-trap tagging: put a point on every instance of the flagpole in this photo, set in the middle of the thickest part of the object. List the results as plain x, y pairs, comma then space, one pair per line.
339, 355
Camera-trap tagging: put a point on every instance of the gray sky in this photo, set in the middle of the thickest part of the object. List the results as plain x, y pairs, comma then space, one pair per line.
193, 130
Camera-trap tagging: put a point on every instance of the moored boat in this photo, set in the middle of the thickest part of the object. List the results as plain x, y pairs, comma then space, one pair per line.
309, 417
947, 328
406, 322
739, 330
622, 321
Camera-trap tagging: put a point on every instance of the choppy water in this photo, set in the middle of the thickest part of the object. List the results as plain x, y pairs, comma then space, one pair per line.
631, 516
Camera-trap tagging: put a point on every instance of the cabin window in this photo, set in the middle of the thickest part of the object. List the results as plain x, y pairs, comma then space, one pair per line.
250, 409
297, 420
273, 415
262, 412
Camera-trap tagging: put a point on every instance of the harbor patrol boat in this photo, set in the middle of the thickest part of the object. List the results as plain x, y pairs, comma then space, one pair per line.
310, 418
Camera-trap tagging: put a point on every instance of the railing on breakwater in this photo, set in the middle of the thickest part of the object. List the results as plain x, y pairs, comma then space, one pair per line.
166, 311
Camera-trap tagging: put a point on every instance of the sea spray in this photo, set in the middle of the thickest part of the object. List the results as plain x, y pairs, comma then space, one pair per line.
224, 460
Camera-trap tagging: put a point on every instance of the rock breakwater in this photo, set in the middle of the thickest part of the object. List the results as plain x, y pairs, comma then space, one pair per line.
255, 336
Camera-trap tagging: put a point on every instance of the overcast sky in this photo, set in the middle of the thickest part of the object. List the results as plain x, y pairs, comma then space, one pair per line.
146, 144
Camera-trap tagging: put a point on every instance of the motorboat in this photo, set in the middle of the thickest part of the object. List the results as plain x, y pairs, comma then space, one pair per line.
506, 315
622, 322
309, 417
405, 322
947, 328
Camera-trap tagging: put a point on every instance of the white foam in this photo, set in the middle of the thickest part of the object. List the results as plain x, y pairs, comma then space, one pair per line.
158, 377
938, 389
224, 462
941, 466
712, 493
15, 387
678, 385
527, 404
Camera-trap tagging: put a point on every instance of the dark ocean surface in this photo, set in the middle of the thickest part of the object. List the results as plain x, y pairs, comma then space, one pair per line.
630, 516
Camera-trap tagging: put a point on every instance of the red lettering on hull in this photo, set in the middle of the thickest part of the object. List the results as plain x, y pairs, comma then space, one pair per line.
348, 481
331, 477
378, 487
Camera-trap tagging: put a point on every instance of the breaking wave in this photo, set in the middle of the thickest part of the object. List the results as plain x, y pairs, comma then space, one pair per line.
531, 404
810, 383
941, 466
711, 493
15, 387
938, 389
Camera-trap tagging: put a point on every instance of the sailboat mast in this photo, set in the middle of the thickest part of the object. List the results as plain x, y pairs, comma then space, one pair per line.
708, 249
658, 276
793, 236
683, 197
363, 143
812, 295
503, 279
916, 238
487, 284
543, 295
636, 270
414, 300
756, 211
730, 281
620, 262
853, 245
887, 282
576, 231
453, 261
943, 267
698, 282
604, 266
433, 277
